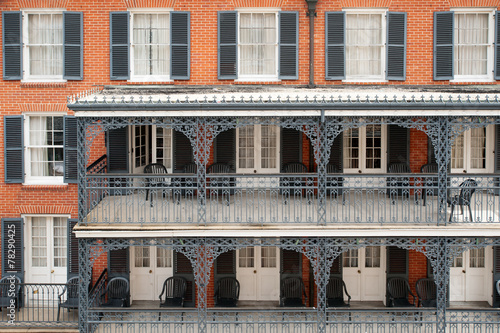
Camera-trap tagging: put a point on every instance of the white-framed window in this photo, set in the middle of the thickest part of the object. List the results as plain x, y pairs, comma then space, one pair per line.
365, 149
150, 45
46, 242
473, 44
257, 149
472, 151
44, 141
258, 45
365, 45
43, 45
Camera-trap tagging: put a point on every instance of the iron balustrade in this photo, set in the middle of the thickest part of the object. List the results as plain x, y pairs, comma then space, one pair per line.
259, 199
39, 307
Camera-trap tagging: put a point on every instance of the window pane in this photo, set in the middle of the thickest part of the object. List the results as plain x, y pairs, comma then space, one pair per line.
373, 147
46, 146
45, 37
471, 43
268, 256
478, 148
142, 257
151, 43
269, 146
364, 45
163, 257
476, 258
60, 241
246, 257
39, 242
258, 43
351, 148
457, 153
164, 146
350, 258
246, 147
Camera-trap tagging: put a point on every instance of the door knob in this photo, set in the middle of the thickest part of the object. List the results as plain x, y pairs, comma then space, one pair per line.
150, 271
463, 271
359, 271
52, 271
255, 271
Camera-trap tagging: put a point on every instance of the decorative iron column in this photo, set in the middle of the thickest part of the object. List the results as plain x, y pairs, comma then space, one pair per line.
442, 277
84, 269
202, 145
442, 148
81, 164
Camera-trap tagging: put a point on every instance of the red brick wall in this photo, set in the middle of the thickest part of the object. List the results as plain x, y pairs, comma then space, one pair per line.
417, 268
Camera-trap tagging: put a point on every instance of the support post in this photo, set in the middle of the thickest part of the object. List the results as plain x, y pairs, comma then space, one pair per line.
83, 290
442, 276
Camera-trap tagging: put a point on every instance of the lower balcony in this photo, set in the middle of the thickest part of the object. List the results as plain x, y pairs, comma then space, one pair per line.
271, 199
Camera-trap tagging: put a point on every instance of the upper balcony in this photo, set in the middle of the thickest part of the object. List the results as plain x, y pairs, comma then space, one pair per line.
299, 163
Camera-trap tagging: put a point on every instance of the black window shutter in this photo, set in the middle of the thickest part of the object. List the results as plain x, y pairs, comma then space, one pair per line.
291, 146
117, 150
72, 249
183, 268
443, 45
180, 45
225, 148
396, 46
496, 275
397, 264
119, 46
12, 247
398, 145
225, 265
431, 155
14, 146
227, 45
73, 45
12, 45
119, 263
289, 45
497, 45
336, 152
336, 269
183, 151
291, 264
70, 150
335, 46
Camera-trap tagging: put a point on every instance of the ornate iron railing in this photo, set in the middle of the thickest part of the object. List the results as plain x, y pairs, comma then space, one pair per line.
258, 199
39, 306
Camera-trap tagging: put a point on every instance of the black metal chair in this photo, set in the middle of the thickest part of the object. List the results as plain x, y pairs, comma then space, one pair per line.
426, 292
156, 169
293, 186
221, 186
174, 289
6, 291
71, 300
292, 292
498, 287
467, 189
398, 291
430, 184
117, 292
189, 185
335, 290
398, 186
227, 292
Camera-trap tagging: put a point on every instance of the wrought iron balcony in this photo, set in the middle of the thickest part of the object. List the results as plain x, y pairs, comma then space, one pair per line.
272, 199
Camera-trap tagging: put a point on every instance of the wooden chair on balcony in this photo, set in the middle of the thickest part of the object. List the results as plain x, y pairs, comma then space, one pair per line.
398, 186
464, 198
426, 292
71, 291
293, 186
399, 291
292, 292
227, 292
117, 293
158, 182
431, 182
6, 294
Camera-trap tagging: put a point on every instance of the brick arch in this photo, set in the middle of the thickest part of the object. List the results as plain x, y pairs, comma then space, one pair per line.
258, 3
149, 3
474, 3
43, 107
365, 3
43, 3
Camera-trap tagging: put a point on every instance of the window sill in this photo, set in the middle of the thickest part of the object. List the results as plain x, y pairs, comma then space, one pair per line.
253, 79
472, 80
150, 81
365, 80
44, 187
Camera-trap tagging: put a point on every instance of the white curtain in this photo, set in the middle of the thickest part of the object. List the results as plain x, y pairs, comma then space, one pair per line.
151, 39
478, 148
60, 241
45, 44
38, 141
39, 242
363, 44
457, 153
471, 38
258, 44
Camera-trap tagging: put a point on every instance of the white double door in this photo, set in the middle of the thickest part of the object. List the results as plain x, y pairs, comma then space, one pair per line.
47, 252
471, 277
257, 270
150, 266
364, 273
